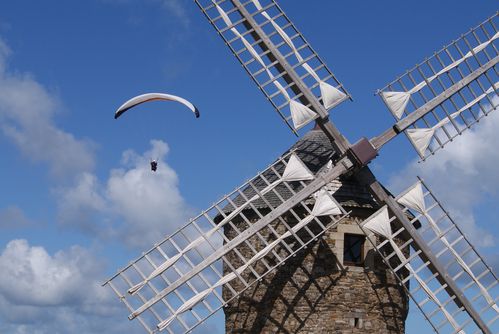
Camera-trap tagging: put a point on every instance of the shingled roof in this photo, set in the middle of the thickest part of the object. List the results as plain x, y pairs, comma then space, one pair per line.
315, 150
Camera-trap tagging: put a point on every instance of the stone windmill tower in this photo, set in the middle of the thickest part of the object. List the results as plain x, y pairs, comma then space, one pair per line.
337, 284
314, 243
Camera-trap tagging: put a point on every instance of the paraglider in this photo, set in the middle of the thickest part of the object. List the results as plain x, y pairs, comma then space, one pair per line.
154, 97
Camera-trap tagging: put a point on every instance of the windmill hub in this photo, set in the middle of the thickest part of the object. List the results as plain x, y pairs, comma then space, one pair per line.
363, 151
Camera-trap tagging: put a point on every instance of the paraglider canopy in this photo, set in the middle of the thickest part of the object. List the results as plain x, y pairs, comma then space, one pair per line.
154, 97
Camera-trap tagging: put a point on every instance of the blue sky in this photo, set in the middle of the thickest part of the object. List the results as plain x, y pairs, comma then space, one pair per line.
69, 216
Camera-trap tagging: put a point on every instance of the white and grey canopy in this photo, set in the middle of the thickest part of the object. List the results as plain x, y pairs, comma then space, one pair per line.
135, 101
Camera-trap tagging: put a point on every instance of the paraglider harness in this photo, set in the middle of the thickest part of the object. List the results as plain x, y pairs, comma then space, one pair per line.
154, 165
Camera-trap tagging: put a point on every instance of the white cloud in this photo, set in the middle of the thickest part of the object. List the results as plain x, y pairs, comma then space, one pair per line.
60, 293
27, 112
32, 277
135, 205
149, 202
463, 175
82, 204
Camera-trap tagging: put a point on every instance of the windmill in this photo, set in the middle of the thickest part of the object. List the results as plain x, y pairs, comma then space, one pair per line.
273, 218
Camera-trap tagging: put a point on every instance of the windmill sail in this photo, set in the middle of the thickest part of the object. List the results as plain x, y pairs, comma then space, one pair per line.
176, 285
449, 92
277, 57
324, 205
463, 266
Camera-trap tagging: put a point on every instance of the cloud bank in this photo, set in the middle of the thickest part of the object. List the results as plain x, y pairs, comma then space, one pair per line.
59, 293
27, 112
134, 205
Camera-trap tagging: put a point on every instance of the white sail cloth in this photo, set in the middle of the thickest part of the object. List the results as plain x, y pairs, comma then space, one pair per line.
414, 199
397, 101
421, 137
295, 170
324, 205
331, 96
379, 223
300, 114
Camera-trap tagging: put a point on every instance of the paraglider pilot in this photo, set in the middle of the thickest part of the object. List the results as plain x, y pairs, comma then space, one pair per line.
154, 165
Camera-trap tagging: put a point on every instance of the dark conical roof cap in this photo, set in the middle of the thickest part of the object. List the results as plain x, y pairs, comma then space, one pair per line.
315, 150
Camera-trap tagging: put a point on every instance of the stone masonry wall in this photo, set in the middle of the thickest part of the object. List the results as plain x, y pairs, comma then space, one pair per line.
314, 293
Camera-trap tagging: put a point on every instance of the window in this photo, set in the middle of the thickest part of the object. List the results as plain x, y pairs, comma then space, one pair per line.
353, 251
